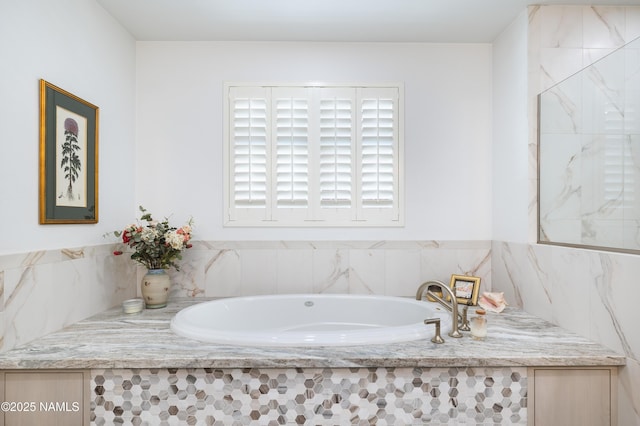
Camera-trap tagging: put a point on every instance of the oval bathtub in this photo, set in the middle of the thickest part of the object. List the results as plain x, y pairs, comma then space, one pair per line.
309, 320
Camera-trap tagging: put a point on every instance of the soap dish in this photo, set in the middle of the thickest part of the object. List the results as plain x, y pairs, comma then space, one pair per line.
132, 306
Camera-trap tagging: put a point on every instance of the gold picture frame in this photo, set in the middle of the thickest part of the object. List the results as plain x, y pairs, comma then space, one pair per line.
465, 288
68, 158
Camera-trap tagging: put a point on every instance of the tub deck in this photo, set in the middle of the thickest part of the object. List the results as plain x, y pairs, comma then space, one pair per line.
113, 339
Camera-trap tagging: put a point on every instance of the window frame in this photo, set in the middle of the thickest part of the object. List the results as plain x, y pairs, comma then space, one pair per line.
312, 218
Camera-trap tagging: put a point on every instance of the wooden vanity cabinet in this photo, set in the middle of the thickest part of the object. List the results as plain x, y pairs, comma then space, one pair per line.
568, 396
44, 397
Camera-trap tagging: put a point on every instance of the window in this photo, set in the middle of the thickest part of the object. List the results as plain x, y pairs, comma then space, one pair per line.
313, 156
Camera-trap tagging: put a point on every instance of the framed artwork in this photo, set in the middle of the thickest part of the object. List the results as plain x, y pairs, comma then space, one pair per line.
465, 288
68, 157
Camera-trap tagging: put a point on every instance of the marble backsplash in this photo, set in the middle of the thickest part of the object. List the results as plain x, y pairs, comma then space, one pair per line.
44, 291
587, 292
394, 268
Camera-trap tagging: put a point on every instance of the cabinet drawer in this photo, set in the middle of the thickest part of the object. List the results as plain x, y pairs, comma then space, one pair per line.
572, 396
44, 397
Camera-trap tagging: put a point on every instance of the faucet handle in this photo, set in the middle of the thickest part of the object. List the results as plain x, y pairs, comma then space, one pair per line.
437, 338
465, 320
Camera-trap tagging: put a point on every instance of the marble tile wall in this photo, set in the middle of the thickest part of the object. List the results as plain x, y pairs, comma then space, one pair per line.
565, 39
394, 268
590, 154
584, 291
562, 40
45, 291
587, 292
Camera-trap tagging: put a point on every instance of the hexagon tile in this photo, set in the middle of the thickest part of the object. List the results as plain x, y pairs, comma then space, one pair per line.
330, 396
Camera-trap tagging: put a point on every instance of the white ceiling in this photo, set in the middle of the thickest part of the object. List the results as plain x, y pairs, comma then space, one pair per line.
446, 21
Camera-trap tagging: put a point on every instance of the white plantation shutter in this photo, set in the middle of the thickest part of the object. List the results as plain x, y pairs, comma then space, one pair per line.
379, 149
313, 156
291, 162
292, 151
337, 149
249, 140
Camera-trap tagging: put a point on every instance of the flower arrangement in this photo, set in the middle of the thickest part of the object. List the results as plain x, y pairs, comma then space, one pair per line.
156, 244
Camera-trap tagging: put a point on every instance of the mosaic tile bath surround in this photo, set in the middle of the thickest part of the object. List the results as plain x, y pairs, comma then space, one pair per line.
313, 396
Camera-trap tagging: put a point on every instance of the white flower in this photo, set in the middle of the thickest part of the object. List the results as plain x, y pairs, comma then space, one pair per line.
148, 235
174, 239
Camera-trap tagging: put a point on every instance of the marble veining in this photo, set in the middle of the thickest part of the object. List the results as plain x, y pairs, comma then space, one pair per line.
608, 26
72, 254
587, 84
604, 294
543, 278
589, 296
507, 261
337, 273
116, 340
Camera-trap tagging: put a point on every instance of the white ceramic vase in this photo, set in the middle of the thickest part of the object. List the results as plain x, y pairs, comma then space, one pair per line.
155, 288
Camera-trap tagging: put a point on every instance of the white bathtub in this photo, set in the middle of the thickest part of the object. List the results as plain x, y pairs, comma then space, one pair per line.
309, 320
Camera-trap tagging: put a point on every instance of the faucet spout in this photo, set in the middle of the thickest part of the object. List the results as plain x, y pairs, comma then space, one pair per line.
450, 306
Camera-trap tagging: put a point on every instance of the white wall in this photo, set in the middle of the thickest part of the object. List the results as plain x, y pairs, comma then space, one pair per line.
447, 129
55, 275
75, 45
512, 186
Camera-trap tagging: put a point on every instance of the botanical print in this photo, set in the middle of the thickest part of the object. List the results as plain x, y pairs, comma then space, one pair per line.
71, 159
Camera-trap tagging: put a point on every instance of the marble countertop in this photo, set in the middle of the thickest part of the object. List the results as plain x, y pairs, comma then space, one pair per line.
113, 339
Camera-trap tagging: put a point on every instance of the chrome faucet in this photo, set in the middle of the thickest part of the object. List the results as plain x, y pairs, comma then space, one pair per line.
451, 307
